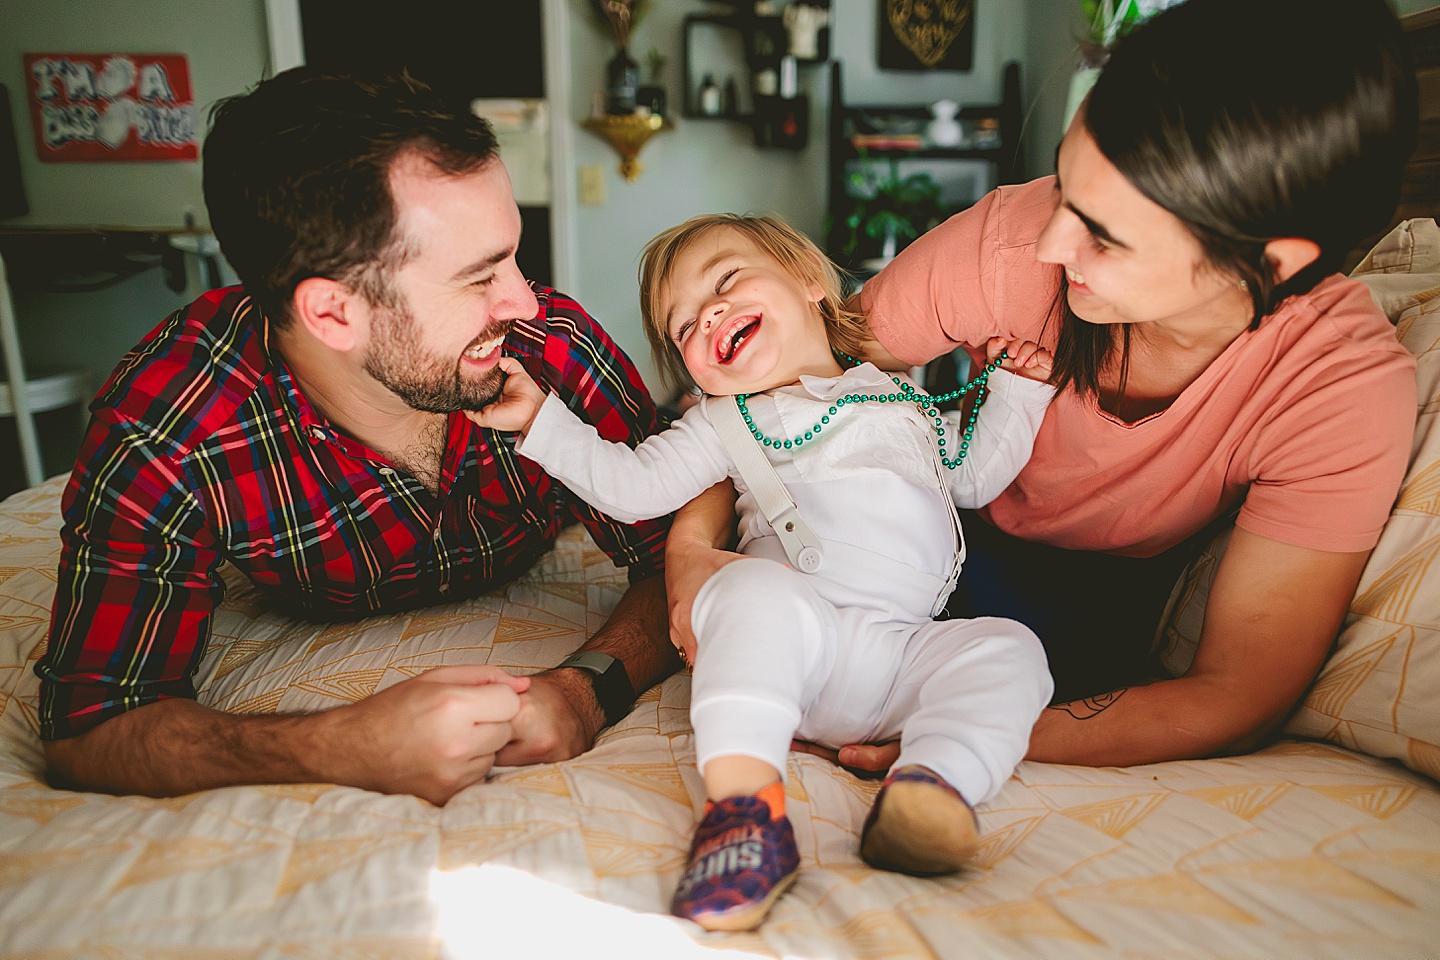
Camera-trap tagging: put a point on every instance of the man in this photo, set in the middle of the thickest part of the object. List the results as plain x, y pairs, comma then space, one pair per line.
306, 428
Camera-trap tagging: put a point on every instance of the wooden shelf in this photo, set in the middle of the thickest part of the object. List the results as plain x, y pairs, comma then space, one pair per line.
909, 121
628, 135
764, 41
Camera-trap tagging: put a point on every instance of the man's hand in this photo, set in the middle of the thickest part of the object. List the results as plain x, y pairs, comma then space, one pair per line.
432, 735
558, 718
520, 399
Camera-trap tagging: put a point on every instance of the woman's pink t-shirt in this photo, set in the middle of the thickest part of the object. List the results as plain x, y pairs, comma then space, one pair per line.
1308, 420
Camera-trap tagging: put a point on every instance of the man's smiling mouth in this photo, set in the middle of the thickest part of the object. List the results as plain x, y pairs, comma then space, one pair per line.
481, 349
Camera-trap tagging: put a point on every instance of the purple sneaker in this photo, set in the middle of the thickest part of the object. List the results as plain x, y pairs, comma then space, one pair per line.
919, 825
742, 858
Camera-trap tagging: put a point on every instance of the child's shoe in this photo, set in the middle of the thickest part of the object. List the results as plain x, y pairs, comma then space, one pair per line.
743, 857
919, 825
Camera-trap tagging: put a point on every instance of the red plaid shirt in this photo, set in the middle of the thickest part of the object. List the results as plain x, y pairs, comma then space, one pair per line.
201, 450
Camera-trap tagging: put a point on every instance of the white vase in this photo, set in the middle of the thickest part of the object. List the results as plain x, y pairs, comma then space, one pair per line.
944, 130
1080, 85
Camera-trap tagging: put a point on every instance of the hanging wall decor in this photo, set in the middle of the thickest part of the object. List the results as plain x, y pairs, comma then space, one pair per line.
111, 106
926, 34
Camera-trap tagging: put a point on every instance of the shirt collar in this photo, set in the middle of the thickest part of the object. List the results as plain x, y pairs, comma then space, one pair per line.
864, 378
306, 419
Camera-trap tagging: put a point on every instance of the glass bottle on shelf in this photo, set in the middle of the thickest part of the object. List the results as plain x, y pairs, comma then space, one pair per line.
709, 97
622, 77
652, 95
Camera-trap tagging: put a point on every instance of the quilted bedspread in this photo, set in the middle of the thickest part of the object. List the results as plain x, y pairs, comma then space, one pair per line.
1305, 849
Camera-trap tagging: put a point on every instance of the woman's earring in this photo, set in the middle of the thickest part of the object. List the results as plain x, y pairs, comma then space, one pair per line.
1244, 287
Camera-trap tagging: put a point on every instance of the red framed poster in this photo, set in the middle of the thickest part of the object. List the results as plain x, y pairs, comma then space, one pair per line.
111, 106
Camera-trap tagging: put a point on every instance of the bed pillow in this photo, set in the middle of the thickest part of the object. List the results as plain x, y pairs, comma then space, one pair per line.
1378, 691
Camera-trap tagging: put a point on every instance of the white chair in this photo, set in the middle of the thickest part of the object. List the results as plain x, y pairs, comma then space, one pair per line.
34, 396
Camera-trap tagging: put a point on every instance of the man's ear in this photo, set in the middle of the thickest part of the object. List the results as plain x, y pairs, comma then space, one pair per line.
330, 312
1289, 255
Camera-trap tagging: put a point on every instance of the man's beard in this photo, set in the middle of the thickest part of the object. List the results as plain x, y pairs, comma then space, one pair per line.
399, 361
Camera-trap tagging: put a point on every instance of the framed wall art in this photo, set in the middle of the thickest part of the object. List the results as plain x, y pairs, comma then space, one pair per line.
926, 34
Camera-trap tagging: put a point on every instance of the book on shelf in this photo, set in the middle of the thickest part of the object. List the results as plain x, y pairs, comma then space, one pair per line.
887, 141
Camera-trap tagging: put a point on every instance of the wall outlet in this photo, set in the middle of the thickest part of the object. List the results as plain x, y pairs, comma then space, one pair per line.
592, 186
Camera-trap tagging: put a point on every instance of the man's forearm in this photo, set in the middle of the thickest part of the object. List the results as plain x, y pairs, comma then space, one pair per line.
173, 747
638, 635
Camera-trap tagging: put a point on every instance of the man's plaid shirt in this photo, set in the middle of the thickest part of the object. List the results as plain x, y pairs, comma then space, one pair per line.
201, 450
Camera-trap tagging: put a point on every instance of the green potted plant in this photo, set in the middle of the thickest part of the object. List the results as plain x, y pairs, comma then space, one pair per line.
1106, 22
890, 210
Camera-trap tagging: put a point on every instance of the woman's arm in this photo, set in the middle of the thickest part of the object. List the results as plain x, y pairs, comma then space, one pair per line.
1273, 615
694, 552
1005, 425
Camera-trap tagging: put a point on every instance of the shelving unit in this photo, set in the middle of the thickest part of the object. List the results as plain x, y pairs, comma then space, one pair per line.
874, 136
760, 42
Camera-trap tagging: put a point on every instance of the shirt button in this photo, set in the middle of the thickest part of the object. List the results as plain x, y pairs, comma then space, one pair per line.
387, 472
318, 433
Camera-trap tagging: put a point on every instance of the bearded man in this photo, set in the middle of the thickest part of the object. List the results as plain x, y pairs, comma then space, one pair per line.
307, 427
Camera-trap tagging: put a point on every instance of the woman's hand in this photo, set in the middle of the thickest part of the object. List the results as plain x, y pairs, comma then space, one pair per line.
520, 399
870, 761
693, 555
1024, 357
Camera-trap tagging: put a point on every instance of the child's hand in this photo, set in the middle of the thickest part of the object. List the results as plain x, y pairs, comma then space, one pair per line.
1026, 358
519, 401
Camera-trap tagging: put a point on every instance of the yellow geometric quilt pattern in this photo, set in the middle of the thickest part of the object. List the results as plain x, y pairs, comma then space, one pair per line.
1302, 850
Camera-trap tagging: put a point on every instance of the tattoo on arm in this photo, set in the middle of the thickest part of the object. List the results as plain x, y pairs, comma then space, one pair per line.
1090, 706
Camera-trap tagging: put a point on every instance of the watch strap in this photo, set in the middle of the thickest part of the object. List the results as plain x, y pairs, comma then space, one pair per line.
611, 683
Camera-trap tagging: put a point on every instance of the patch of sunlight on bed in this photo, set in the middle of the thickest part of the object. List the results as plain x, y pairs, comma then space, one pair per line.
498, 911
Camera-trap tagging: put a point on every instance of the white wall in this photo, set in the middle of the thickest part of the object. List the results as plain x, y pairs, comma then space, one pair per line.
704, 166
701, 166
1051, 54
224, 41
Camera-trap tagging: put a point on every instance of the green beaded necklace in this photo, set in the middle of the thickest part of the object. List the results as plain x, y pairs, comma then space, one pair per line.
929, 405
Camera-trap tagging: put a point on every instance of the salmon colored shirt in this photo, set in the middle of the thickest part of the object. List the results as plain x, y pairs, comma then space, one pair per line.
1307, 420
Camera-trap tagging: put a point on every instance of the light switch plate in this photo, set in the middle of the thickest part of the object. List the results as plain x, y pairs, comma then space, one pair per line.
592, 186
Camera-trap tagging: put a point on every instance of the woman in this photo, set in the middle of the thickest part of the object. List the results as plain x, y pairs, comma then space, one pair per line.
1210, 363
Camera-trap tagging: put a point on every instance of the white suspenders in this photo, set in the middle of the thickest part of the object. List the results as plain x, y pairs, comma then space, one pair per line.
801, 545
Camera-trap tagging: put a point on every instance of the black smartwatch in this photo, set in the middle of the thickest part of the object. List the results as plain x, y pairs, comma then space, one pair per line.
611, 683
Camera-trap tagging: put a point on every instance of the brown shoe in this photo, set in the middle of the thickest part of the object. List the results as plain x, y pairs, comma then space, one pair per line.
919, 825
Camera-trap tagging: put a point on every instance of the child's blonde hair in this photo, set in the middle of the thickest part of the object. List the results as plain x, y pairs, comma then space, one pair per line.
795, 252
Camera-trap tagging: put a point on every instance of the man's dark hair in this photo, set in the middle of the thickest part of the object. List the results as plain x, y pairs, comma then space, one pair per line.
1252, 120
296, 177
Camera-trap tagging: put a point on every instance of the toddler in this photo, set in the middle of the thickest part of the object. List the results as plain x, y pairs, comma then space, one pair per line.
752, 311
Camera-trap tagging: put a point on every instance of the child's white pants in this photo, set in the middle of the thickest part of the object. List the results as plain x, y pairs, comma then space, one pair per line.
780, 654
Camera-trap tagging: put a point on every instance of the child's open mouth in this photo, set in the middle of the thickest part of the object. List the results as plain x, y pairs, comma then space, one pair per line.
737, 337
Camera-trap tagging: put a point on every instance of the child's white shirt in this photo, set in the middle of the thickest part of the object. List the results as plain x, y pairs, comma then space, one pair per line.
868, 480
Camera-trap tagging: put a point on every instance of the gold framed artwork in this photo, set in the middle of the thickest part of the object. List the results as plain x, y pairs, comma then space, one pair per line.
926, 34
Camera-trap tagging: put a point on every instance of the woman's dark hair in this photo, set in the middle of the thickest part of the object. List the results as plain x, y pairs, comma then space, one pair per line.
296, 177
1252, 120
